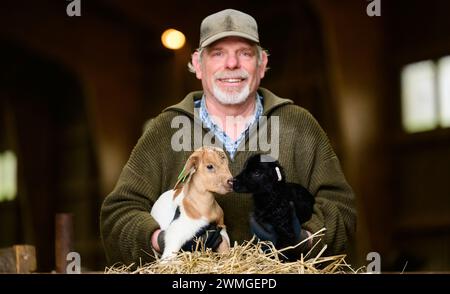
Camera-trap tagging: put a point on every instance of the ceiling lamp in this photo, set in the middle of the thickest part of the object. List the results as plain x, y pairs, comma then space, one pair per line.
173, 39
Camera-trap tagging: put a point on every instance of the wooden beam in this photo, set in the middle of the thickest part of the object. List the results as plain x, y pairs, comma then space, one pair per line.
63, 240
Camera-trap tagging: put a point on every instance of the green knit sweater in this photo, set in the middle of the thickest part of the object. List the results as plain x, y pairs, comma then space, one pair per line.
305, 153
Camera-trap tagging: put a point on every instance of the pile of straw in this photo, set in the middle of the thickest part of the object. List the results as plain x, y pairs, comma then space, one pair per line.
248, 258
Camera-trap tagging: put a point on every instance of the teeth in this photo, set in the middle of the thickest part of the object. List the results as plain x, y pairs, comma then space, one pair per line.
231, 80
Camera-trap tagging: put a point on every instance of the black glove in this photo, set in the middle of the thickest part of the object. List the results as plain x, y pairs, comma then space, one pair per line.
209, 237
263, 231
266, 232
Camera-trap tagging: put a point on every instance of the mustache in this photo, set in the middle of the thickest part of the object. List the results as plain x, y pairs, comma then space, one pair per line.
235, 74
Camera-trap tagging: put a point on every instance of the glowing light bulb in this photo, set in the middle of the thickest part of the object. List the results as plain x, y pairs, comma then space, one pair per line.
173, 39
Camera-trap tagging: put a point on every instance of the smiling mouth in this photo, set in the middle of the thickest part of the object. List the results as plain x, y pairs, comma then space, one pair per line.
232, 81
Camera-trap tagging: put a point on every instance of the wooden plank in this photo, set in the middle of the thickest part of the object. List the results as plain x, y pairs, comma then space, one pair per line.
25, 258
19, 259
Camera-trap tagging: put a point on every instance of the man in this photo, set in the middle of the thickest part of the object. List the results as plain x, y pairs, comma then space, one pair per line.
230, 64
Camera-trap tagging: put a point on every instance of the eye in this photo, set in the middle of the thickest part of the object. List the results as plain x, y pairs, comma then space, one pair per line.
257, 173
217, 53
247, 53
210, 167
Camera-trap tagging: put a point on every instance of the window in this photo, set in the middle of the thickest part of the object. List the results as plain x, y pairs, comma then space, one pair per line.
8, 176
426, 95
444, 90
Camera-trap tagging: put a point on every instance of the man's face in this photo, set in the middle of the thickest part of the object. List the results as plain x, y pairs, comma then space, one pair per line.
229, 70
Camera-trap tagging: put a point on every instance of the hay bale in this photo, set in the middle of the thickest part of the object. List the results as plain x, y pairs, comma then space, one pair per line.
248, 258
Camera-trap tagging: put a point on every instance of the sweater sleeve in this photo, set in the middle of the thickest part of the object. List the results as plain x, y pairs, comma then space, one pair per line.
126, 225
334, 207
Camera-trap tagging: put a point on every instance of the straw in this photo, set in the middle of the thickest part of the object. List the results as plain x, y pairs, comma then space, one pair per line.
250, 257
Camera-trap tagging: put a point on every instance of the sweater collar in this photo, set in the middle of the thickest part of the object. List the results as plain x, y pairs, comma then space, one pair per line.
271, 102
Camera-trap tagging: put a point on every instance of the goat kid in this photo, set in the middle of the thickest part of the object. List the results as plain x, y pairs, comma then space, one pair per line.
273, 197
205, 172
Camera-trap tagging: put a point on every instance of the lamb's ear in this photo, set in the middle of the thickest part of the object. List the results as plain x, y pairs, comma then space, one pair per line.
280, 177
188, 170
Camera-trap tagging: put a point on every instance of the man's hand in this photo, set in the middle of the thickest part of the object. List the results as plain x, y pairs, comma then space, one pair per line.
263, 231
208, 236
266, 232
155, 238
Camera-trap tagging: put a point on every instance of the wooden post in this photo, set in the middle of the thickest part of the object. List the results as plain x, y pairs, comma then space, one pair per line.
20, 259
63, 240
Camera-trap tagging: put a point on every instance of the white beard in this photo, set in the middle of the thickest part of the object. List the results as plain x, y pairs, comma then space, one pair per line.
233, 97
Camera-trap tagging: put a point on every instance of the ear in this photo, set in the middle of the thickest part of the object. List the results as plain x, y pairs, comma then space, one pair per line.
263, 65
188, 170
197, 64
280, 177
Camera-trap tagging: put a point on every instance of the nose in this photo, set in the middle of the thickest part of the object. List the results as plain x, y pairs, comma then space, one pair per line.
230, 182
232, 61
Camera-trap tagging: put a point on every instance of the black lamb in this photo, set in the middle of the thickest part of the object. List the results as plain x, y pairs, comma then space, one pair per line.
274, 199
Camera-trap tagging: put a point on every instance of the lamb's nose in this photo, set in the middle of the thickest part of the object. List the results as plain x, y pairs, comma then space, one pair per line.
230, 182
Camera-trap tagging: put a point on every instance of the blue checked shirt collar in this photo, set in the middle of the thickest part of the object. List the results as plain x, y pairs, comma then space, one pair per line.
228, 143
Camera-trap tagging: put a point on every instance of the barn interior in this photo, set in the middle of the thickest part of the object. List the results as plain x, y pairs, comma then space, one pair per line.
76, 92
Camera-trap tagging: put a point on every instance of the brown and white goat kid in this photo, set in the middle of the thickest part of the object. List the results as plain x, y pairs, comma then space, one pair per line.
205, 172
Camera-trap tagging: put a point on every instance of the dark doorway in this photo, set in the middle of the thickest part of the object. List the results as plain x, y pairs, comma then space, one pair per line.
45, 123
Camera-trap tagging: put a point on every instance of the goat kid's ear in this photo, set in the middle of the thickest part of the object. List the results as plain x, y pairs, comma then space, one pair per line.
188, 170
192, 163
